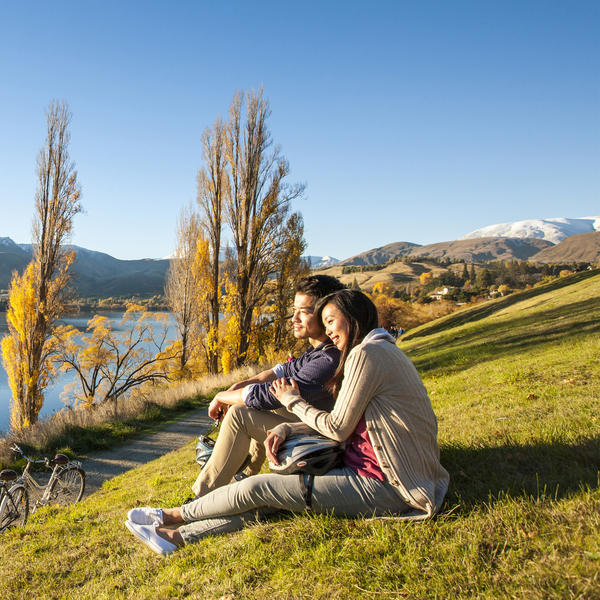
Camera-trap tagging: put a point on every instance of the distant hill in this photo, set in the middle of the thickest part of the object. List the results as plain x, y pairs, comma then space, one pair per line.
554, 230
381, 255
396, 274
584, 247
484, 249
95, 274
472, 250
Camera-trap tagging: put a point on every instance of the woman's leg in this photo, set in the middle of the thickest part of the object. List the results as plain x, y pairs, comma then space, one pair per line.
340, 491
282, 492
345, 493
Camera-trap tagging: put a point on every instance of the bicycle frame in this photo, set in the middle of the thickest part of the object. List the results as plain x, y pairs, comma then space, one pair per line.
7, 497
44, 490
29, 480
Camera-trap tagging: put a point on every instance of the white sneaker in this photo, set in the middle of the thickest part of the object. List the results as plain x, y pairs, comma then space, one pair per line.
147, 534
146, 516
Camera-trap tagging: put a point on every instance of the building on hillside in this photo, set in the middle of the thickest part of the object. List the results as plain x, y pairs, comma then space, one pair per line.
440, 294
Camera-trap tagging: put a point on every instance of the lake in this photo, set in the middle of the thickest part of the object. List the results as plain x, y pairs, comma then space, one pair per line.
53, 401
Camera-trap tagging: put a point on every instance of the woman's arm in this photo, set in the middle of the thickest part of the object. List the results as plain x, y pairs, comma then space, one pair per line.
362, 378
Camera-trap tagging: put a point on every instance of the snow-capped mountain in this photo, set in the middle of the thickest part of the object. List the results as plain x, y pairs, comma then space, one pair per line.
553, 230
321, 262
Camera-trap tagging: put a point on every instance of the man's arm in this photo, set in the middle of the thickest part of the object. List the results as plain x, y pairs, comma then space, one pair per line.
266, 376
234, 395
310, 374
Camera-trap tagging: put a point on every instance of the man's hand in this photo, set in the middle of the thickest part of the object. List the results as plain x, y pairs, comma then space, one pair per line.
217, 409
272, 444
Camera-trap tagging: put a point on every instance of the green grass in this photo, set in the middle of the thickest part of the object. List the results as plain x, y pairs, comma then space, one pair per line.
517, 393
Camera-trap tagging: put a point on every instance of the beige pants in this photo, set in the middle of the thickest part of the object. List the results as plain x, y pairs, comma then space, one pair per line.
242, 427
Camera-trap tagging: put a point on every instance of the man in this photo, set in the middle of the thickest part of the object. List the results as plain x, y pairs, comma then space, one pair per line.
248, 409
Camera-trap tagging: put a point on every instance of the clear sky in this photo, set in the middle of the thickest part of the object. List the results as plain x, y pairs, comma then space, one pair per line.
408, 121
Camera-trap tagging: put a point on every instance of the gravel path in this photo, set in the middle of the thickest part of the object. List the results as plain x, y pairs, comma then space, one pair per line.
104, 465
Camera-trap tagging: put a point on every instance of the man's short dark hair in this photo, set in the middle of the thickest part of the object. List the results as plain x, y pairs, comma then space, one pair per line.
319, 285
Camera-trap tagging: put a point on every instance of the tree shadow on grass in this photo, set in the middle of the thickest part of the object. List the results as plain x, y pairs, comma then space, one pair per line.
502, 339
483, 475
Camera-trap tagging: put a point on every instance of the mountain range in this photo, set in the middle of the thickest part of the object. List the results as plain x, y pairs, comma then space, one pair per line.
537, 240
559, 240
95, 274
554, 230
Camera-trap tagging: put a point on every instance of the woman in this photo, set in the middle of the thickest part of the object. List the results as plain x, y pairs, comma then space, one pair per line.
382, 411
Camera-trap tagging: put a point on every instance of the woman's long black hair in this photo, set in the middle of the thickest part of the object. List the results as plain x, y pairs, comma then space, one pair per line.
362, 317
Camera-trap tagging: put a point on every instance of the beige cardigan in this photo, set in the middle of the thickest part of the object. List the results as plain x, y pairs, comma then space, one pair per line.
381, 383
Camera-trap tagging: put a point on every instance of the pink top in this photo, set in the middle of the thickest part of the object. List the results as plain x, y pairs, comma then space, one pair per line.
359, 454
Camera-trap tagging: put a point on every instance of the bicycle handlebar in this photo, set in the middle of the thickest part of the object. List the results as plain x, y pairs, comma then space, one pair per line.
16, 448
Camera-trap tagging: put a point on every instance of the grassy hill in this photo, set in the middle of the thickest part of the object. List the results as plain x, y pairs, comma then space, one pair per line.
516, 387
398, 274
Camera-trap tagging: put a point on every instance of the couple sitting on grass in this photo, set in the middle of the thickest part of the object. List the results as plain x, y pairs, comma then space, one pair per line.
381, 411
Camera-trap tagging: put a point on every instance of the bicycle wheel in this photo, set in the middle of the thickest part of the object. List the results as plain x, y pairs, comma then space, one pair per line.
68, 486
14, 509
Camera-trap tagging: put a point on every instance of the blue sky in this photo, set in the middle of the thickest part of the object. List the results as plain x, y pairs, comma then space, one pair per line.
408, 121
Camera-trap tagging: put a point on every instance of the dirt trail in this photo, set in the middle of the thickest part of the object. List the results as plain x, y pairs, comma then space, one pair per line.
104, 465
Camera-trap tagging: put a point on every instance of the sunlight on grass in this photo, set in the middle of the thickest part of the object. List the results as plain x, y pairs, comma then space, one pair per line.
517, 395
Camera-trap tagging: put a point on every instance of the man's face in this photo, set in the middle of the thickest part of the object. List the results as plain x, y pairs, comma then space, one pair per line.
304, 322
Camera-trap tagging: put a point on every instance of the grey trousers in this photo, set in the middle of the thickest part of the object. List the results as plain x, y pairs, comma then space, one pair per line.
341, 492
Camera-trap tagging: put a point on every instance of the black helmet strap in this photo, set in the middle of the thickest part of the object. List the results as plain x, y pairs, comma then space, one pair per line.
306, 485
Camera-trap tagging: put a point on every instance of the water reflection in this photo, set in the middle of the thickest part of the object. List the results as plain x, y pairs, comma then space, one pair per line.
53, 402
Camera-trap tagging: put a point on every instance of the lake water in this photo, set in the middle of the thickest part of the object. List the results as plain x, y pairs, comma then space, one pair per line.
53, 401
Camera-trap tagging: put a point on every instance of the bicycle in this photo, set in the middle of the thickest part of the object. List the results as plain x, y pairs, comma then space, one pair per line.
14, 500
66, 483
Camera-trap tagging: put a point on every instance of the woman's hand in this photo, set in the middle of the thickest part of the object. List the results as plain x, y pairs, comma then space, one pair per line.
280, 386
272, 444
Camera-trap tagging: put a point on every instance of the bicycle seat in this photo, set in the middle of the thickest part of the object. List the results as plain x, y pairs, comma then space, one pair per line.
60, 459
8, 475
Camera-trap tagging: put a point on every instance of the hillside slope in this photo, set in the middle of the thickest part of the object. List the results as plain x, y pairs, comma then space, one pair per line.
584, 247
484, 249
380, 255
516, 390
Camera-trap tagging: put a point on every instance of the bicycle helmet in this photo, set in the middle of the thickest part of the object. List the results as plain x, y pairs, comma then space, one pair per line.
204, 448
314, 454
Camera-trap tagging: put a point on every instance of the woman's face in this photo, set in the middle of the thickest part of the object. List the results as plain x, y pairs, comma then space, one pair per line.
336, 326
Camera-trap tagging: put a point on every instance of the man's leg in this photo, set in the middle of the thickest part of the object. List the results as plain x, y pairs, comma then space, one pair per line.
240, 425
257, 452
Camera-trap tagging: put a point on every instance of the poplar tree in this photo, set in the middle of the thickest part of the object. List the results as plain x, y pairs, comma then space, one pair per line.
183, 284
36, 298
290, 268
212, 188
257, 202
